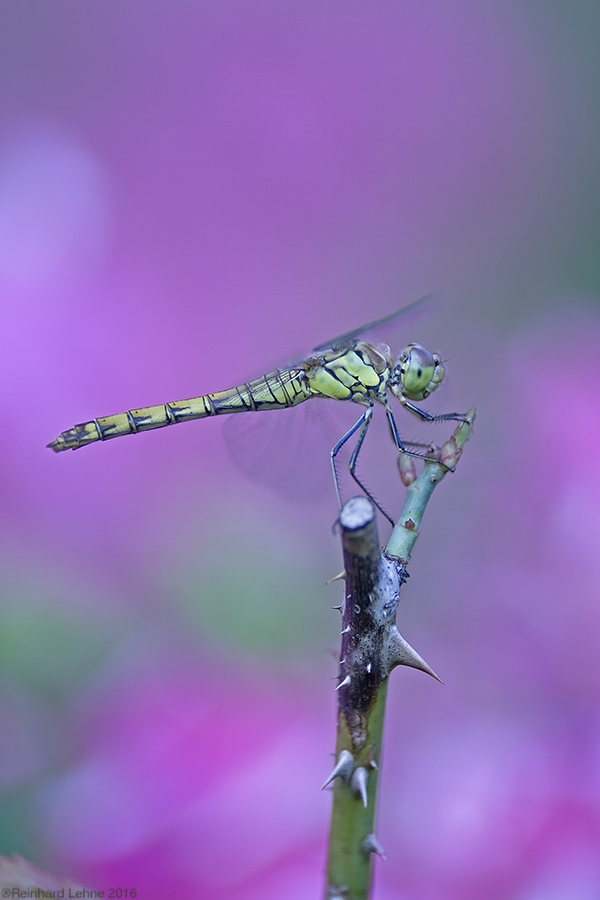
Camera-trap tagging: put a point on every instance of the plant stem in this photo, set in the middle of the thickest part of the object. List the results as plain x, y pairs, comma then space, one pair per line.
371, 647
419, 491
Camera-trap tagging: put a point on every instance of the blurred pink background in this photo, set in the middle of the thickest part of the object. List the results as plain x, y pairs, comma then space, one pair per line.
191, 194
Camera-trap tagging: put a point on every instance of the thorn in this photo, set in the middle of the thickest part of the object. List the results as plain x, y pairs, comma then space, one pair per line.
342, 769
358, 784
372, 845
400, 653
374, 765
337, 607
343, 683
346, 630
340, 577
369, 666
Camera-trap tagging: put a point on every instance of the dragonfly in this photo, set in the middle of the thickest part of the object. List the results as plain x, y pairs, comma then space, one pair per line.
346, 368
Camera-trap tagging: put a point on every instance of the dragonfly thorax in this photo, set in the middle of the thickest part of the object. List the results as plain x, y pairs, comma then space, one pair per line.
417, 373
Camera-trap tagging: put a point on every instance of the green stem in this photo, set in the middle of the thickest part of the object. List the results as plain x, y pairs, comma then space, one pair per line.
418, 494
350, 864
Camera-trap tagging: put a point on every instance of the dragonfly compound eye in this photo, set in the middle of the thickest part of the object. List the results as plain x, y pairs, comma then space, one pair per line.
420, 371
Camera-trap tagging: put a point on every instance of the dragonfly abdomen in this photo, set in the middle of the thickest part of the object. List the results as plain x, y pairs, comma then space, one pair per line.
130, 422
277, 390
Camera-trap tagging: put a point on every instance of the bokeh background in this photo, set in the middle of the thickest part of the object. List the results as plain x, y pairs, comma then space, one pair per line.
190, 195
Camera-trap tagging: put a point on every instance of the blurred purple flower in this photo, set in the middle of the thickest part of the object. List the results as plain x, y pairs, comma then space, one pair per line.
191, 780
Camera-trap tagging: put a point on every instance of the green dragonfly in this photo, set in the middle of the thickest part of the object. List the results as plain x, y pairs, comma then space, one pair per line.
345, 368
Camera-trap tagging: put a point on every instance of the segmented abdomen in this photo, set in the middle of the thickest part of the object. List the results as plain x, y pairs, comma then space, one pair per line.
277, 390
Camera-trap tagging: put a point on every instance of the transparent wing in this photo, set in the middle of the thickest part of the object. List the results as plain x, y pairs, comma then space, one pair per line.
344, 339
288, 449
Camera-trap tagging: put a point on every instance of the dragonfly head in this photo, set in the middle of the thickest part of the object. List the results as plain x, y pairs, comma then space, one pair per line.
417, 373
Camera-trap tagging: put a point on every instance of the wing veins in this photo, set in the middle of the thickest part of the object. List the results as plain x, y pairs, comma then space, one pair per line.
343, 339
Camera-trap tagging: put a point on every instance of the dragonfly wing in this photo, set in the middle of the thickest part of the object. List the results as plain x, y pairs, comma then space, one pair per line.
345, 339
288, 449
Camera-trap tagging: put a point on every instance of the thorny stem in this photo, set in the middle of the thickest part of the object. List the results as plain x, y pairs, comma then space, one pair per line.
371, 647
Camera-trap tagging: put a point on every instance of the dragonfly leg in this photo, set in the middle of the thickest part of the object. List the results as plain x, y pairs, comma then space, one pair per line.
401, 446
337, 449
363, 423
428, 417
